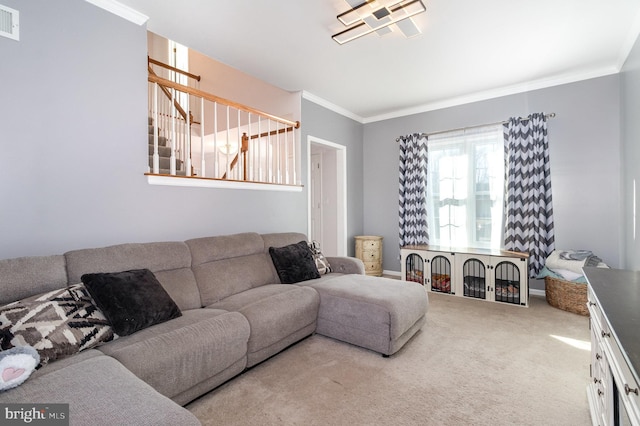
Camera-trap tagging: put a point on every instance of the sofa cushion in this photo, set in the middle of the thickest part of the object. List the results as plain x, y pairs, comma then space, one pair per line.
275, 312
100, 390
230, 264
23, 277
294, 263
131, 300
169, 261
179, 354
57, 324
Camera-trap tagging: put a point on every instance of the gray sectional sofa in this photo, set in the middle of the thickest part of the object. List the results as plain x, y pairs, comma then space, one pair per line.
235, 313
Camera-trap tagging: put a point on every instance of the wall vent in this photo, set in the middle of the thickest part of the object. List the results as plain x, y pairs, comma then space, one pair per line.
9, 23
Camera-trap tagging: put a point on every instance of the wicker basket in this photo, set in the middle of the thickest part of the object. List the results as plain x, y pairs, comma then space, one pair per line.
566, 295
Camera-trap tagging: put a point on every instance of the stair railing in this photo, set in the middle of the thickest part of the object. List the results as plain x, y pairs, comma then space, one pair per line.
174, 122
237, 142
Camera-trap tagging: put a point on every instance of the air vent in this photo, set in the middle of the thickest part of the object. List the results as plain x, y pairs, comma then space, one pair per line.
9, 23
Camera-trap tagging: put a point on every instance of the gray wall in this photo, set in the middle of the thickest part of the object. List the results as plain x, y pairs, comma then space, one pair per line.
322, 123
73, 126
630, 84
585, 162
73, 122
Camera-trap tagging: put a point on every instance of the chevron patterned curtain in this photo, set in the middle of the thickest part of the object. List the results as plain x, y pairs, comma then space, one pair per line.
528, 205
413, 190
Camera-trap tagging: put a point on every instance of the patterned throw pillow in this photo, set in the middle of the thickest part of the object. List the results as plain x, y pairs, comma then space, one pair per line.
56, 324
321, 262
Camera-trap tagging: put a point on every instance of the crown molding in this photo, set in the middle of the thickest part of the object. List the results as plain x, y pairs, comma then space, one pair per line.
496, 93
474, 97
330, 106
121, 10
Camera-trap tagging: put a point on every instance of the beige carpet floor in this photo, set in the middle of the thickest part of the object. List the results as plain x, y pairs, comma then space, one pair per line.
473, 363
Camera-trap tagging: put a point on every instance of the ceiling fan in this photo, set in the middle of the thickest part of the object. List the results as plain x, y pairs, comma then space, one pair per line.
378, 16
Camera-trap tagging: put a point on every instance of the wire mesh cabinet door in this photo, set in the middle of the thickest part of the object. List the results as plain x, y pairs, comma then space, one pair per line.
413, 265
473, 271
440, 276
510, 280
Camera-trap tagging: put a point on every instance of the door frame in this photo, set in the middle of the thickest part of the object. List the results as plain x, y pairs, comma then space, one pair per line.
341, 197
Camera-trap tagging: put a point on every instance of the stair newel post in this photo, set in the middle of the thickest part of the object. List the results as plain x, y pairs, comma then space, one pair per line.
156, 155
202, 161
172, 159
245, 148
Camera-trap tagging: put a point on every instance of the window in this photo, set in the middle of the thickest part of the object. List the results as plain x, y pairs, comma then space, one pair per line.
466, 188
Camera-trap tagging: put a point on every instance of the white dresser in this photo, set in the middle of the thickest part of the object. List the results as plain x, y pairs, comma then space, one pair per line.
614, 310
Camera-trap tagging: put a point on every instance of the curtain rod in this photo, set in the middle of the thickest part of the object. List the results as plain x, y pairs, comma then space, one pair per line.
551, 115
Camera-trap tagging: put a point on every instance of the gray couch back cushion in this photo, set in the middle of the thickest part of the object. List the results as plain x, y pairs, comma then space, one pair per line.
27, 276
229, 264
169, 261
282, 239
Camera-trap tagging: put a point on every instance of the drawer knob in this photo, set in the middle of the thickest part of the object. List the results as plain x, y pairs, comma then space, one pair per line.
605, 334
591, 303
629, 390
596, 381
598, 356
600, 392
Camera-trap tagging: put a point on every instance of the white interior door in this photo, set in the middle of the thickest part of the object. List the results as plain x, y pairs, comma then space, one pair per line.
315, 207
327, 196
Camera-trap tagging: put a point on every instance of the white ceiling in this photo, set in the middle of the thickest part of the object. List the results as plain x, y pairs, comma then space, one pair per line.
468, 50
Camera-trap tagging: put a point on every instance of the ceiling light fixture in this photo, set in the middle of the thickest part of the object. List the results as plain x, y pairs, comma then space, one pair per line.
378, 15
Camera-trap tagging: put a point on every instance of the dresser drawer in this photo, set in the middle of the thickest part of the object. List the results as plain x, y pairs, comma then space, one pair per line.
369, 250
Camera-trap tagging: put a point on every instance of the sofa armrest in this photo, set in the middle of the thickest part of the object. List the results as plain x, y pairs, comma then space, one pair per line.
346, 265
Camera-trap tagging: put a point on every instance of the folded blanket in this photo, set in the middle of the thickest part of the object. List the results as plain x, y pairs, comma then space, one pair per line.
580, 255
571, 260
562, 274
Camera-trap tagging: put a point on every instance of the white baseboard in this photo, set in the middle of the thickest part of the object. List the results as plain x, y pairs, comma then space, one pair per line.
536, 292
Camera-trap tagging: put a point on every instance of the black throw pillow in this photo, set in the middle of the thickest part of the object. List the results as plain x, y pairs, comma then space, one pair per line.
131, 300
294, 263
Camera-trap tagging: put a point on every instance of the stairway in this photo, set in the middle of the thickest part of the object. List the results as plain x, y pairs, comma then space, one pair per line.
164, 152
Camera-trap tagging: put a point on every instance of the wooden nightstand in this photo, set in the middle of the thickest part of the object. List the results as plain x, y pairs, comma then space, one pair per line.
369, 250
